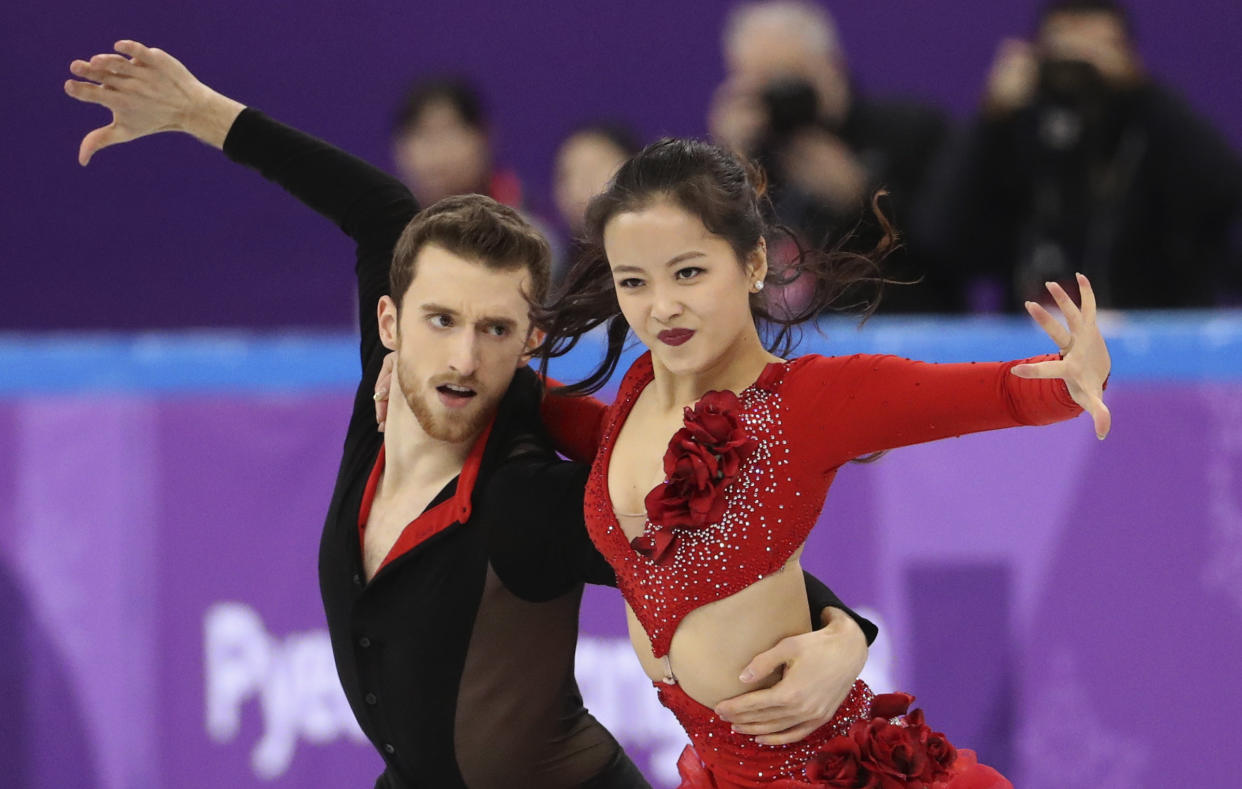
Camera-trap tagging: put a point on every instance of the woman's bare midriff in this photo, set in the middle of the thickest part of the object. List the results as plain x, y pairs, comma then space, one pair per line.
714, 643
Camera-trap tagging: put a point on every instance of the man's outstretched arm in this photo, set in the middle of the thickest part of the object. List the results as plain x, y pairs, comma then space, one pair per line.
149, 91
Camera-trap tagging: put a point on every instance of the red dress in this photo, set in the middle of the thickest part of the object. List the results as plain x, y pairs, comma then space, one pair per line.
747, 478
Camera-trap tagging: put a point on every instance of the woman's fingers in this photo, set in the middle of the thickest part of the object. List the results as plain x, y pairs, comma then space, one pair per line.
1059, 334
1070, 310
1091, 403
1101, 416
1087, 297
1050, 369
381, 409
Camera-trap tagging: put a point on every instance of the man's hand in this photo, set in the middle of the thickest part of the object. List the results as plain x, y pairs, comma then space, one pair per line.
148, 91
819, 669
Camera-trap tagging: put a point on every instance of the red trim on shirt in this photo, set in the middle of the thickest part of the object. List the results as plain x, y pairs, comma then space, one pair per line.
434, 520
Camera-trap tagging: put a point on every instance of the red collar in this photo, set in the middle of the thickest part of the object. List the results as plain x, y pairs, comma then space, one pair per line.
435, 519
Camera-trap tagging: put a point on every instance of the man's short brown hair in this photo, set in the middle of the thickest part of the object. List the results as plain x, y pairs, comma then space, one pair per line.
477, 228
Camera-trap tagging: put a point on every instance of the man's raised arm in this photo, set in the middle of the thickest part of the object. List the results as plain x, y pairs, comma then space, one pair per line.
149, 91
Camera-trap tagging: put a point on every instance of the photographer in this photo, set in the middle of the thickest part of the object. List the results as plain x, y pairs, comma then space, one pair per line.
788, 101
1078, 161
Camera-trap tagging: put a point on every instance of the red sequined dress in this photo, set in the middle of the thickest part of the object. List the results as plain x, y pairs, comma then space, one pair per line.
774, 462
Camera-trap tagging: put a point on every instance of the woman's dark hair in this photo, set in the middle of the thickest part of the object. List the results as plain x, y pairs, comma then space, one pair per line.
729, 196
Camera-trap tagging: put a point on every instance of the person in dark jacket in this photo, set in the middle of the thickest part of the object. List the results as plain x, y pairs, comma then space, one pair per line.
1080, 161
789, 101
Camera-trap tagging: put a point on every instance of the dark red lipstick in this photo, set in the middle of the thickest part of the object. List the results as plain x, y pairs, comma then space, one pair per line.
675, 336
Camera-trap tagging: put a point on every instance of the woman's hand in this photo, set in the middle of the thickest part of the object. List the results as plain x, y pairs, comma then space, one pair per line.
1084, 364
819, 669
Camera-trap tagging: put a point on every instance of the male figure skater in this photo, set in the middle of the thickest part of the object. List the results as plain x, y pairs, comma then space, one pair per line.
453, 556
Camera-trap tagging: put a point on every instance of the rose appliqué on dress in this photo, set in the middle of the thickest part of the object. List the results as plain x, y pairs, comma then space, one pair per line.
892, 750
702, 460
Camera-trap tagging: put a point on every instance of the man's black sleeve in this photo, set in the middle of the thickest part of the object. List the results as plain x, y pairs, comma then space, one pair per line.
369, 205
540, 548
819, 596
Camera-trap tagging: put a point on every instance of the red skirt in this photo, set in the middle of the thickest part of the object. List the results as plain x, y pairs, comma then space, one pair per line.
871, 743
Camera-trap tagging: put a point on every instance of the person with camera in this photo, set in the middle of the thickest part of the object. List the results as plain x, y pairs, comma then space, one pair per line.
789, 102
1080, 161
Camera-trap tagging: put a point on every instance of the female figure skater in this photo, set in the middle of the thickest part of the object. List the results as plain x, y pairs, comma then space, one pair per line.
713, 464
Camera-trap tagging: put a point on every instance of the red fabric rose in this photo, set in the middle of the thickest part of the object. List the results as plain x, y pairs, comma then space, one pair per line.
891, 750
941, 756
880, 754
839, 763
891, 705
713, 423
658, 546
702, 459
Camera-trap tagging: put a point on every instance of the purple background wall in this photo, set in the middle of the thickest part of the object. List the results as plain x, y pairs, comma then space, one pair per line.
163, 233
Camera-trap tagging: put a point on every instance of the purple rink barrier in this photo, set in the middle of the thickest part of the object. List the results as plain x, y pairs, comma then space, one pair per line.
1066, 607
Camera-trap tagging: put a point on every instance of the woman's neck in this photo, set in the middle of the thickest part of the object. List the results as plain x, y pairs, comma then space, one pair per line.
735, 369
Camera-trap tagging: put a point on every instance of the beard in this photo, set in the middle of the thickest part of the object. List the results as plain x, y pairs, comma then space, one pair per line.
451, 426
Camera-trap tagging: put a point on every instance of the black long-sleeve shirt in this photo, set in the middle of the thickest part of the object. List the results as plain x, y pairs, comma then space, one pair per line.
457, 657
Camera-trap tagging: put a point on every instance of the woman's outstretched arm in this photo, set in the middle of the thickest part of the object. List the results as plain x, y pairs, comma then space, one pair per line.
847, 407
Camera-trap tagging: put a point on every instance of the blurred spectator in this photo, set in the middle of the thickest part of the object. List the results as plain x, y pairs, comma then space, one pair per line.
788, 100
442, 145
1079, 161
586, 160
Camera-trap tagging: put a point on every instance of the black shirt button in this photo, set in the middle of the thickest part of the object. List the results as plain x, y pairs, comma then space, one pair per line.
357, 579
370, 698
389, 748
364, 642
